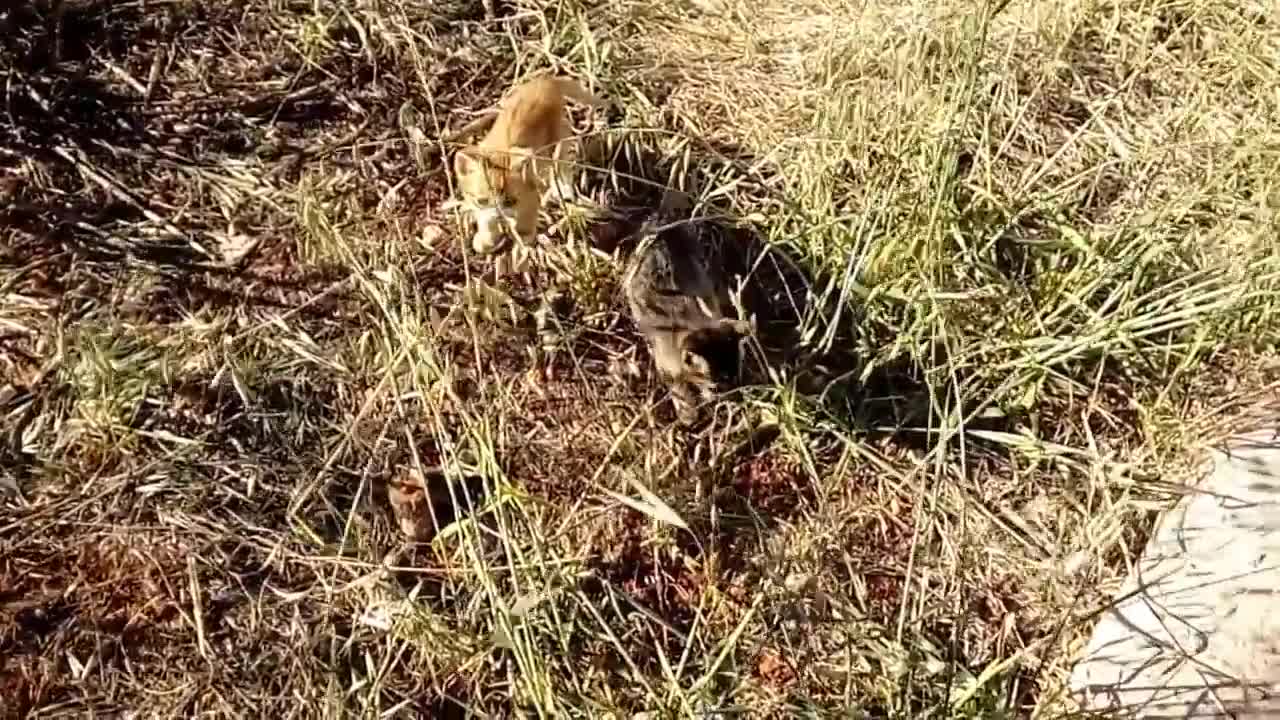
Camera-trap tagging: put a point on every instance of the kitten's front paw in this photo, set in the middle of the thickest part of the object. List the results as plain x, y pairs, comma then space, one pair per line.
489, 243
686, 407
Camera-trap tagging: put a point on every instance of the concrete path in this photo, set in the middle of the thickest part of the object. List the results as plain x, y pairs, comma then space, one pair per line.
1195, 632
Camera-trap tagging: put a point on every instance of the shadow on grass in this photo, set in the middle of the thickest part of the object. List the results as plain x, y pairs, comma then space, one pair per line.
786, 297
105, 134
802, 336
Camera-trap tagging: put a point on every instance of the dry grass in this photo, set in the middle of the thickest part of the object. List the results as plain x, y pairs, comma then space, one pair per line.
234, 305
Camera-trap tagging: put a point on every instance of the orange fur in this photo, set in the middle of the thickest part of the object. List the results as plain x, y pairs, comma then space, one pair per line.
503, 177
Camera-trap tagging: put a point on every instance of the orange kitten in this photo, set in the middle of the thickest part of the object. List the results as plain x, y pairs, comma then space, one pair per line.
502, 179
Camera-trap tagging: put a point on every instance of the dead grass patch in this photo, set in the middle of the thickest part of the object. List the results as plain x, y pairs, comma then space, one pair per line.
1038, 248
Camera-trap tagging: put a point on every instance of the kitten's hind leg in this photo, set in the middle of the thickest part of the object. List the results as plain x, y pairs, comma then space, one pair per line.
564, 174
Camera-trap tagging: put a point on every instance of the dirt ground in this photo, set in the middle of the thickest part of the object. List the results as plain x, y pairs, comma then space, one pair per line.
237, 306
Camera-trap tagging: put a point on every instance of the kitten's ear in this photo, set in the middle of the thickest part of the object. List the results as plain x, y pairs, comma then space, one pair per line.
466, 160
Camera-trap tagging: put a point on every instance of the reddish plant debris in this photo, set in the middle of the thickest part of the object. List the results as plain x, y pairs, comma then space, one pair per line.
772, 484
115, 584
773, 671
665, 581
95, 597
1001, 597
884, 596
